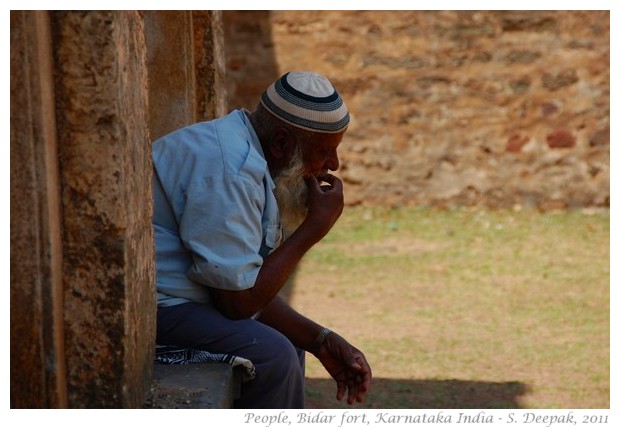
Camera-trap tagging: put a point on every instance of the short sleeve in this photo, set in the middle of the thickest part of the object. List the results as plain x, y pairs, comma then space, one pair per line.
221, 225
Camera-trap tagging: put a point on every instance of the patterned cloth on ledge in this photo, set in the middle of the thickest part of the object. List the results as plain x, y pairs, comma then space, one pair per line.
171, 355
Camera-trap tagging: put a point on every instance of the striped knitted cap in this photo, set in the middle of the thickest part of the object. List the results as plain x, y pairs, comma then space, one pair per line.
307, 100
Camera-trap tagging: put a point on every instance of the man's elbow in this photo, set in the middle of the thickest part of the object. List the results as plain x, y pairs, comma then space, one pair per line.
234, 305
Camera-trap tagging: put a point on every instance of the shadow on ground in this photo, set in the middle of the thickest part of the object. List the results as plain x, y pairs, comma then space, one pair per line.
422, 394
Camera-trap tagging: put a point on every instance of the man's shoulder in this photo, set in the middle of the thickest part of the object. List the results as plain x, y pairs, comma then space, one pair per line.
203, 129
198, 137
231, 126
222, 145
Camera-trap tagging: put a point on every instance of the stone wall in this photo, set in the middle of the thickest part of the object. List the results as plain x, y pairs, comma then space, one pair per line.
495, 108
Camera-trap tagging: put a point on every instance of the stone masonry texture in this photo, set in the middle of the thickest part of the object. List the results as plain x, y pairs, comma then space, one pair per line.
493, 108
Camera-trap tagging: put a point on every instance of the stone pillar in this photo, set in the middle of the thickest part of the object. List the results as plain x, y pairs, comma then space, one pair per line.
105, 156
170, 62
186, 68
37, 349
211, 97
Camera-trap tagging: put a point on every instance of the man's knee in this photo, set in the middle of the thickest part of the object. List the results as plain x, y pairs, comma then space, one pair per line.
277, 358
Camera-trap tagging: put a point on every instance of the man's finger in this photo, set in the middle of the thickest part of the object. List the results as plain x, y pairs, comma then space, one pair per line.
312, 181
352, 391
342, 388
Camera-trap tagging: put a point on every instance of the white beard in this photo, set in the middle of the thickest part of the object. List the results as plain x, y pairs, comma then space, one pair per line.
291, 194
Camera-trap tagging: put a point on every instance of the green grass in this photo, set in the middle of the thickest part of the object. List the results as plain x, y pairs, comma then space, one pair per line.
466, 308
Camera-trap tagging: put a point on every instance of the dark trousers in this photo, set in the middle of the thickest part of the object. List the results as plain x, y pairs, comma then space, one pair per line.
280, 366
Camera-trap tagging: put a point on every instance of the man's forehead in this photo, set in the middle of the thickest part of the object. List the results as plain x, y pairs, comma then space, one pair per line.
325, 141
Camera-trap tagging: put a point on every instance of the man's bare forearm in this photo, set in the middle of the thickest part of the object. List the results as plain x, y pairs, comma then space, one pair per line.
300, 330
276, 269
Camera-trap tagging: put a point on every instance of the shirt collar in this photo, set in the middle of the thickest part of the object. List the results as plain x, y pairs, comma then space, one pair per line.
253, 137
254, 141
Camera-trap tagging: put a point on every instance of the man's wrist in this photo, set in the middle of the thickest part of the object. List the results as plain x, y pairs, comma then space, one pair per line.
320, 340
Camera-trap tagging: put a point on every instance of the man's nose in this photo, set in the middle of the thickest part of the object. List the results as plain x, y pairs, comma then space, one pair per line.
333, 163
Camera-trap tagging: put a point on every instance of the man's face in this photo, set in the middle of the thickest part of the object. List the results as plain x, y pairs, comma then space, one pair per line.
320, 154
316, 156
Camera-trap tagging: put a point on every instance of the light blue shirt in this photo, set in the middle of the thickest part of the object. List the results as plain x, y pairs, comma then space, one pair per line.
215, 215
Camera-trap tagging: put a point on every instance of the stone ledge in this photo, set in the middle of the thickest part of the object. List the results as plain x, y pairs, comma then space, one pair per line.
208, 385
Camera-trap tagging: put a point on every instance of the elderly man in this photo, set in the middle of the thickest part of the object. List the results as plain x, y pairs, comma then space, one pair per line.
238, 201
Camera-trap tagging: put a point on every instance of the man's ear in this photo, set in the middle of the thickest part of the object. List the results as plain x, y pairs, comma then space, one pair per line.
282, 145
